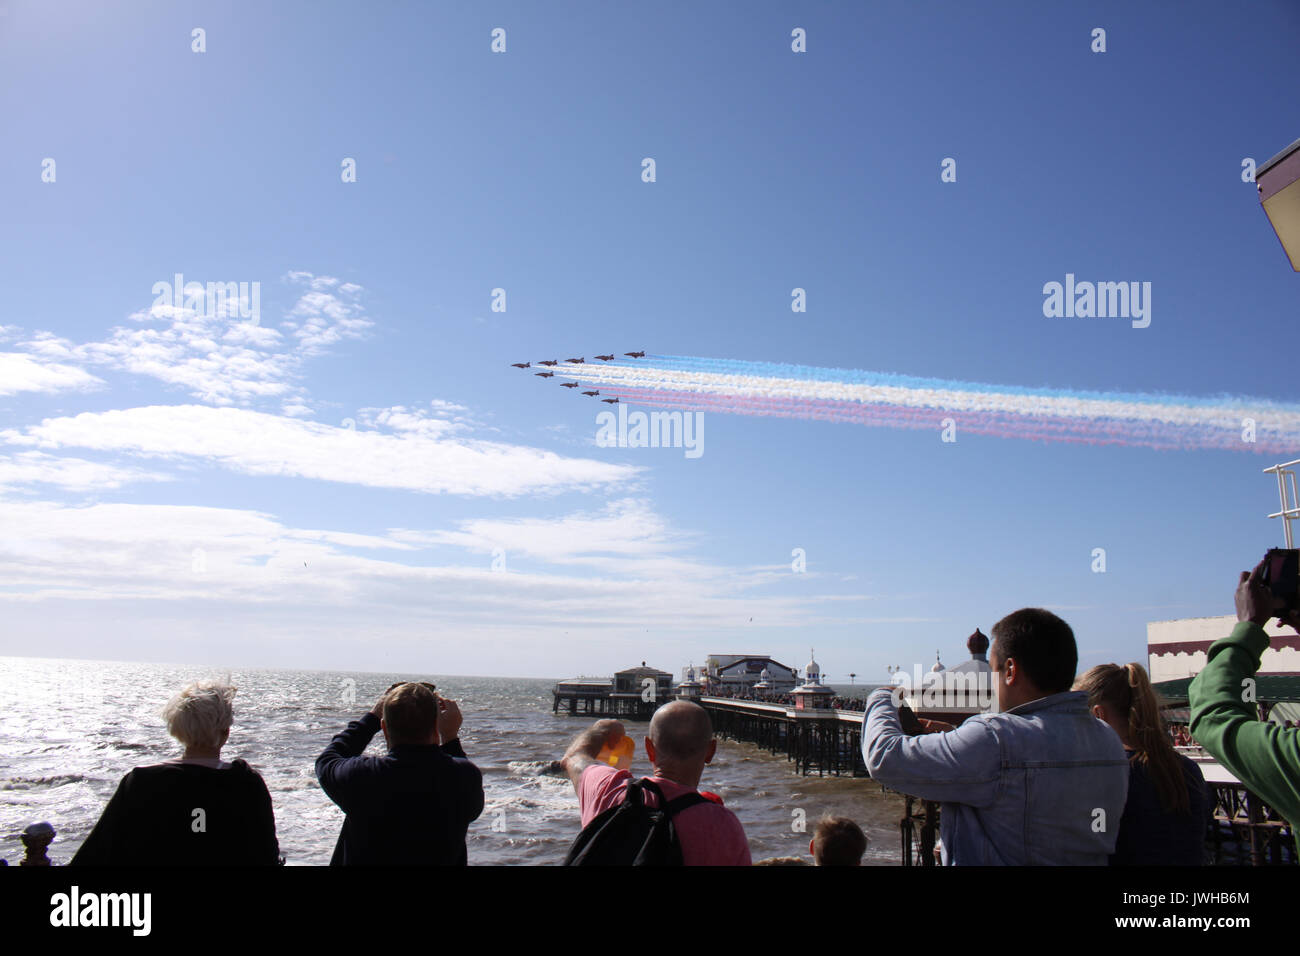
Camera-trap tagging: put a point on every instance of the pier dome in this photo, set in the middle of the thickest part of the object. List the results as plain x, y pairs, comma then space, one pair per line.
812, 694
938, 665
812, 670
692, 688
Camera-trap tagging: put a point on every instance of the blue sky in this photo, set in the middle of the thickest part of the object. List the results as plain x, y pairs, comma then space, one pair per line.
179, 486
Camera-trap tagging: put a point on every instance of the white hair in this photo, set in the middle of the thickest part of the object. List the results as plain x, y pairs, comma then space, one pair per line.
200, 713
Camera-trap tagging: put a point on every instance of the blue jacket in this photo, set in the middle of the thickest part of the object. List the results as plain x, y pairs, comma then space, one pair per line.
1043, 783
412, 806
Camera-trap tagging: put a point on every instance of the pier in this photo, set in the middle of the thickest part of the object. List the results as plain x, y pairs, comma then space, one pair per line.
815, 741
635, 693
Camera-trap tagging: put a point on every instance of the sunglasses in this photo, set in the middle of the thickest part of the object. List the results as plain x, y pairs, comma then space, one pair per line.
422, 683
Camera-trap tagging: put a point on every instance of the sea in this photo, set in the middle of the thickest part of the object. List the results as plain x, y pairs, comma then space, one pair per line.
70, 730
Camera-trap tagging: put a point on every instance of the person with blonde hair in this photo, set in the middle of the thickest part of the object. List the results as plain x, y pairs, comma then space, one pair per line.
1169, 805
198, 810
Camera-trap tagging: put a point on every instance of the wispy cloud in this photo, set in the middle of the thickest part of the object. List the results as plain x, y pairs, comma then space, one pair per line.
50, 551
211, 352
256, 443
34, 468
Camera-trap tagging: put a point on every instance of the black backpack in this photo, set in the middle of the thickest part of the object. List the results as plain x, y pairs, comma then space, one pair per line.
633, 834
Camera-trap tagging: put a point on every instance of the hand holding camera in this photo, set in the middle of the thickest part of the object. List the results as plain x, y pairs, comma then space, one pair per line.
1272, 589
449, 720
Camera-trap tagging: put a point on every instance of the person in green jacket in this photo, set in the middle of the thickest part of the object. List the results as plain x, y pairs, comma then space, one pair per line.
1261, 754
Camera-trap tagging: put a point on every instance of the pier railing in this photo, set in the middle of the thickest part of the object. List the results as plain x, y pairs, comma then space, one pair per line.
815, 741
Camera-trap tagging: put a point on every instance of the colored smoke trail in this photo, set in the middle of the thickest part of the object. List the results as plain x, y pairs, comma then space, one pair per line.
731, 386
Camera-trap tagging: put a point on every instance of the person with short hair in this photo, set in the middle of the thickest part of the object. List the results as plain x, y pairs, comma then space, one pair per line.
1041, 781
412, 806
1168, 806
198, 810
679, 746
837, 841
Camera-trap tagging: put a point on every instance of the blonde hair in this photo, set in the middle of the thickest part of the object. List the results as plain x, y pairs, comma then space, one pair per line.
1127, 692
200, 714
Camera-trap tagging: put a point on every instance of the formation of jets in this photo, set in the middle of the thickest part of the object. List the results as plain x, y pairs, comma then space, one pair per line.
581, 360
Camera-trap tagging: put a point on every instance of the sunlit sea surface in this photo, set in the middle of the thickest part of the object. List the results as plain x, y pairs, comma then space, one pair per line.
70, 730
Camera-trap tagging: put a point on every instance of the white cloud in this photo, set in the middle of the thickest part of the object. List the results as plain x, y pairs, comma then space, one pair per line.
256, 443
628, 528
416, 421
212, 353
171, 553
173, 582
74, 474
38, 373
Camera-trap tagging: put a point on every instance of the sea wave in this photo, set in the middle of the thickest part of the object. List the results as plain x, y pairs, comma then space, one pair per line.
536, 768
56, 780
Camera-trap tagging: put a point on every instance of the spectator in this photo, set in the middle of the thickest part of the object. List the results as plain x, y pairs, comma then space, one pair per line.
199, 810
412, 806
1169, 804
837, 841
679, 745
37, 839
1262, 755
1039, 782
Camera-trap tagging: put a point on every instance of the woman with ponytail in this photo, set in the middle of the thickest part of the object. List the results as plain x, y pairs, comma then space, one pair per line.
1169, 803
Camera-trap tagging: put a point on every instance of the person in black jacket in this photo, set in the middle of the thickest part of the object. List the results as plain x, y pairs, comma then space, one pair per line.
1169, 804
196, 811
412, 806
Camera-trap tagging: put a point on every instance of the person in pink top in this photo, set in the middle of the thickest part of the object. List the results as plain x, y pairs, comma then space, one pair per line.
679, 745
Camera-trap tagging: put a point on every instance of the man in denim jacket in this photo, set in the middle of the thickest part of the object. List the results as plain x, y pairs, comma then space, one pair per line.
1040, 782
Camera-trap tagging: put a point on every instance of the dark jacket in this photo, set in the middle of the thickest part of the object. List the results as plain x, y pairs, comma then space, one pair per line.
1149, 835
412, 806
185, 815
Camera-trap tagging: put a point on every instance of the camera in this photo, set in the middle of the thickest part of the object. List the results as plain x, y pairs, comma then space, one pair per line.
908, 721
1281, 575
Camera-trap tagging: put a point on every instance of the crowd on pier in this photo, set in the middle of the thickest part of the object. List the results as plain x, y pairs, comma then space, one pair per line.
1067, 769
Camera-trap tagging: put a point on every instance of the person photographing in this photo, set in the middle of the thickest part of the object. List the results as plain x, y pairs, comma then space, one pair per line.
413, 805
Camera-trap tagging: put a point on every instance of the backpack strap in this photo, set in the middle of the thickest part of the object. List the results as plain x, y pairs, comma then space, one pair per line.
675, 806
635, 794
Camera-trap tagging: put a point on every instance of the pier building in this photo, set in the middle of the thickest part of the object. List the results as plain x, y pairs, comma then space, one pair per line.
635, 693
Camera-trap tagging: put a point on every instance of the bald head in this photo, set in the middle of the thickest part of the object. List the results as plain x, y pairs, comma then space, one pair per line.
681, 732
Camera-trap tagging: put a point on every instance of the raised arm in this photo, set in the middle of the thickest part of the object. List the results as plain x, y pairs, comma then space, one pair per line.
332, 764
586, 747
1262, 755
961, 765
